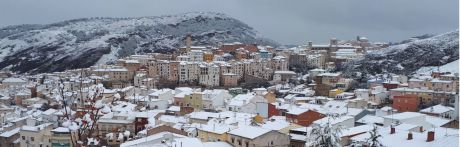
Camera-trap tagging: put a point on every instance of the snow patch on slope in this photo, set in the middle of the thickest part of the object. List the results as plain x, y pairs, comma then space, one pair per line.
452, 67
409, 57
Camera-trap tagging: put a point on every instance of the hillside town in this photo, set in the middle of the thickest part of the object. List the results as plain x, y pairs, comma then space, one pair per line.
232, 94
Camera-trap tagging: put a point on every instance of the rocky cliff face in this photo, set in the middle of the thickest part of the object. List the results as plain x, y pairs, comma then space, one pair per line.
84, 42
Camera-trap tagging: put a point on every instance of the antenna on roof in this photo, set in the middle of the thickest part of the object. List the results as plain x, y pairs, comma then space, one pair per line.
347, 108
445, 132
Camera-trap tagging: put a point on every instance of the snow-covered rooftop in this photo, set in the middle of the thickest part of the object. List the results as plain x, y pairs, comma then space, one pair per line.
61, 130
404, 115
443, 138
370, 119
250, 132
437, 109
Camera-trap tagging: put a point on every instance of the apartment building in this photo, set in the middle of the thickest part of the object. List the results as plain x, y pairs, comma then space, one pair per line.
406, 103
229, 80
196, 55
433, 84
194, 100
38, 135
61, 137
116, 122
425, 95
326, 82
258, 137
259, 69
209, 75
280, 63
114, 73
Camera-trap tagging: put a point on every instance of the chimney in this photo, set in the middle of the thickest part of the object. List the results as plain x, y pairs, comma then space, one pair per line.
409, 136
393, 130
430, 136
310, 44
421, 129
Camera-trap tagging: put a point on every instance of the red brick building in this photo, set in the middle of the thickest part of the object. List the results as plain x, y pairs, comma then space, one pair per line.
390, 85
186, 110
405, 103
232, 47
305, 118
272, 111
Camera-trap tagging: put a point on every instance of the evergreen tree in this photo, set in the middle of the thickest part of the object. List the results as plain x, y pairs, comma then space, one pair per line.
374, 141
326, 135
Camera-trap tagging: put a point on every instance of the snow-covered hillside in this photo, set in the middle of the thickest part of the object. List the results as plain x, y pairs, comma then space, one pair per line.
452, 67
409, 57
84, 42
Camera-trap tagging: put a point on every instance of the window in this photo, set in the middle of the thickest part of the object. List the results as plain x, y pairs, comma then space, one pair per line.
23, 138
32, 138
247, 144
239, 142
271, 142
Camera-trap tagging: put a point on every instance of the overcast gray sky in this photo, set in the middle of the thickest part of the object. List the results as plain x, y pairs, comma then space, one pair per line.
288, 22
